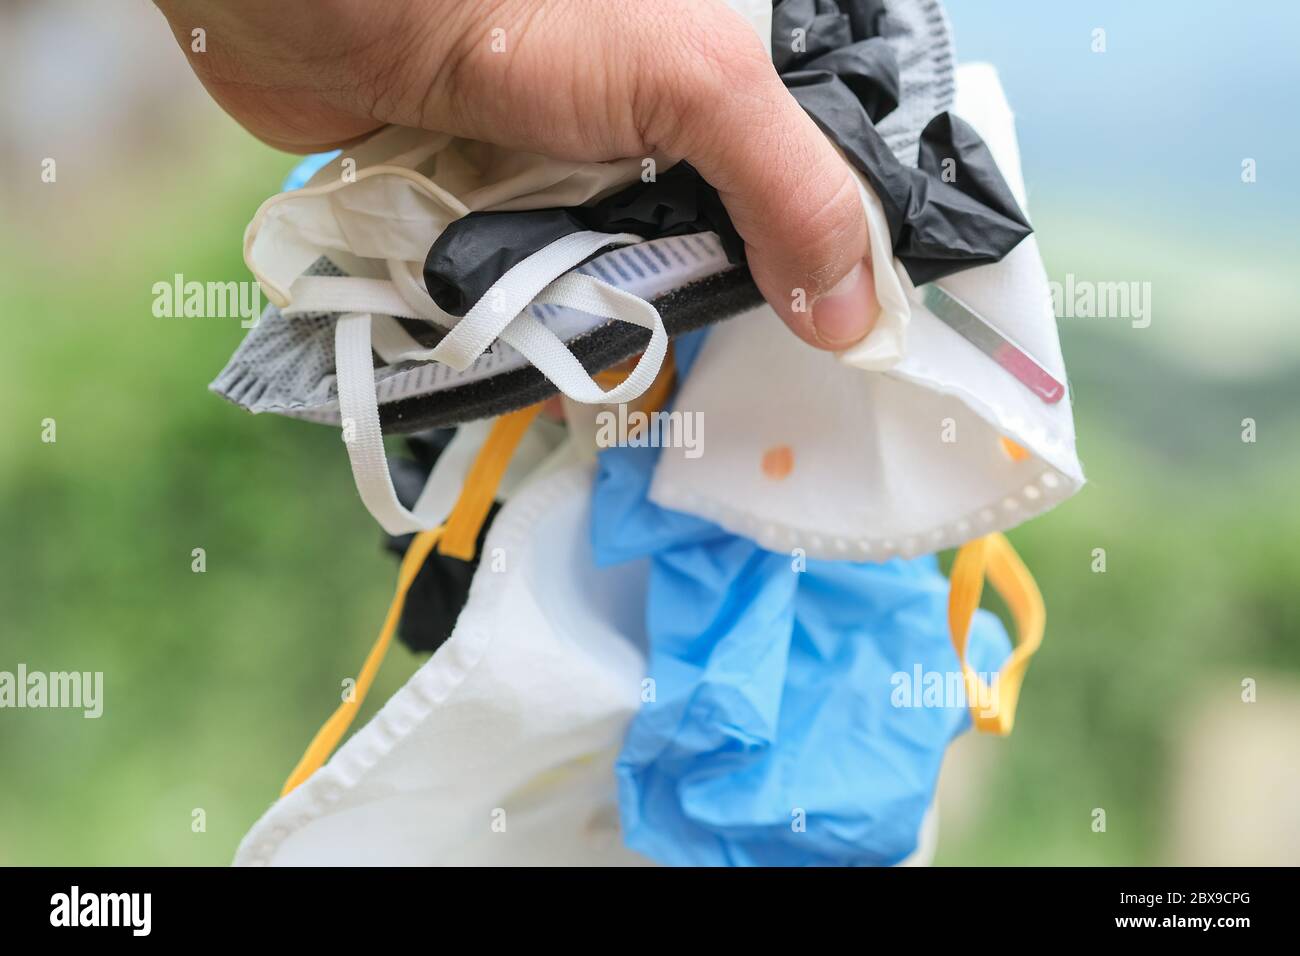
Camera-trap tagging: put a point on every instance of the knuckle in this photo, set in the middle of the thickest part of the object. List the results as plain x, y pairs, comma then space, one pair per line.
693, 64
429, 68
833, 231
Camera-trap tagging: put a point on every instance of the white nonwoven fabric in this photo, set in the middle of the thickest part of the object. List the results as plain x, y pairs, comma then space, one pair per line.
891, 448
500, 748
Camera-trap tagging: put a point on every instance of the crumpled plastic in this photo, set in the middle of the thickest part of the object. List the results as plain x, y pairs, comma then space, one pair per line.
952, 212
473, 252
441, 587
775, 736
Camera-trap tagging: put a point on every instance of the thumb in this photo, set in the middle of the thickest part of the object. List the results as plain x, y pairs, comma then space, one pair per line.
794, 201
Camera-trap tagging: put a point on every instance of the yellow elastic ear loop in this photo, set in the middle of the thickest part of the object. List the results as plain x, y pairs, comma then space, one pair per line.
993, 710
458, 537
460, 534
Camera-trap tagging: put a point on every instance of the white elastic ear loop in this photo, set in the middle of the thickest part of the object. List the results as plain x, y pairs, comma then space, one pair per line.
391, 342
500, 314
543, 348
327, 294
359, 410
515, 291
492, 317
447, 477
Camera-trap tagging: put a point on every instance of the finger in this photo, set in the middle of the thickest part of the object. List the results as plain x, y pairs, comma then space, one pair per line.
791, 196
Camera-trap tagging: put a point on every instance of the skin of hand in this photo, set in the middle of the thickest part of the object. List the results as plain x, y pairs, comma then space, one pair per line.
588, 80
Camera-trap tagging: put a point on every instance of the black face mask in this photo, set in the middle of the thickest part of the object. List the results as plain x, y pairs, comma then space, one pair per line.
439, 591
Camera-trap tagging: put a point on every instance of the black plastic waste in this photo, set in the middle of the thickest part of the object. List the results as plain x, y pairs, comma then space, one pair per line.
475, 251
953, 210
439, 591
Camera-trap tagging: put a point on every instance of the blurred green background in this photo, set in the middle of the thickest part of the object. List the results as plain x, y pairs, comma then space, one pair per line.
214, 682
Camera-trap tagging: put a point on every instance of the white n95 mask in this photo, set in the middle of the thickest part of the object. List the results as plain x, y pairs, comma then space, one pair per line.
914, 440
499, 749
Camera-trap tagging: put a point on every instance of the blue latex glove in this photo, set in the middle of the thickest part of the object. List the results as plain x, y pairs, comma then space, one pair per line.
775, 737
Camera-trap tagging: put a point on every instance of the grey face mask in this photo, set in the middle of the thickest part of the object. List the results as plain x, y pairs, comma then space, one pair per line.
286, 365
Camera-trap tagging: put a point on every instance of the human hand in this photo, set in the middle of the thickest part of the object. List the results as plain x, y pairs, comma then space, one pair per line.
588, 80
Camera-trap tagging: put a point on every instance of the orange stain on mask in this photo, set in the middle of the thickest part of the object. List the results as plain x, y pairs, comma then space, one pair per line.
778, 462
1013, 451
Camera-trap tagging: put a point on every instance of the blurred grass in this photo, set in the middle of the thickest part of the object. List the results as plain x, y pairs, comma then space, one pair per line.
1199, 592
1200, 532
215, 681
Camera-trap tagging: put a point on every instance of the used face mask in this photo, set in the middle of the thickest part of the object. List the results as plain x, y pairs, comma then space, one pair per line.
350, 260
516, 720
916, 439
499, 749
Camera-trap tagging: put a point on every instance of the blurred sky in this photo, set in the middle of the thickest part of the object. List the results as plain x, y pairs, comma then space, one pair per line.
1133, 161
1185, 90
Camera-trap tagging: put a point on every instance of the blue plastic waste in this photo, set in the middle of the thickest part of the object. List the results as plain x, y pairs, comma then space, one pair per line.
307, 168
801, 710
